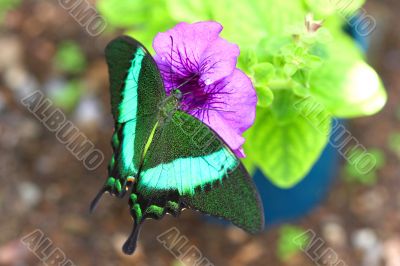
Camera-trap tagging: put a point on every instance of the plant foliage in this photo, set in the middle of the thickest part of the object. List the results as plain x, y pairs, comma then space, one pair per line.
286, 61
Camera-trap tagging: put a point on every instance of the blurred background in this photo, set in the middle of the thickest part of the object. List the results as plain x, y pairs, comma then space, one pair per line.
45, 187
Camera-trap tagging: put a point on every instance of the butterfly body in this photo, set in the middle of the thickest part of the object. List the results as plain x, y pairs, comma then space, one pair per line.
164, 158
169, 106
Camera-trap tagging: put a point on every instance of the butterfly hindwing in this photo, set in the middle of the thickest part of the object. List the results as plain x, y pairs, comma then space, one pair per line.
136, 90
188, 165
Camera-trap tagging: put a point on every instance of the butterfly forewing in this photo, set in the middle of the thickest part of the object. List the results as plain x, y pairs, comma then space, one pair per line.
136, 88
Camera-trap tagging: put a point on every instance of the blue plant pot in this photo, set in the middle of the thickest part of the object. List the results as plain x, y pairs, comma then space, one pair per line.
285, 205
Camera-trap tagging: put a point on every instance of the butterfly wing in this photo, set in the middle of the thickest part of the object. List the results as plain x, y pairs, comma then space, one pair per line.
136, 89
188, 165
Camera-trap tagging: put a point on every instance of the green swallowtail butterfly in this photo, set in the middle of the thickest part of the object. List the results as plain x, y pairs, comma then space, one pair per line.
164, 158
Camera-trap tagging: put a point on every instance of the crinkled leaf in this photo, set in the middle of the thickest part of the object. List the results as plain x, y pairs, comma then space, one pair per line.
122, 13
265, 96
245, 22
248, 58
285, 144
328, 7
301, 86
262, 73
345, 84
142, 19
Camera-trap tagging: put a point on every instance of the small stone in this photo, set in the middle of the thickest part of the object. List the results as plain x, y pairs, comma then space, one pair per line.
45, 165
53, 193
2, 102
20, 81
28, 129
13, 253
76, 224
392, 252
88, 113
30, 194
236, 235
53, 85
334, 234
14, 52
248, 254
364, 239
367, 241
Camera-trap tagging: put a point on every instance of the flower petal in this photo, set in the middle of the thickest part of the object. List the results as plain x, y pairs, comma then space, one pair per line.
232, 109
233, 139
220, 58
237, 101
189, 43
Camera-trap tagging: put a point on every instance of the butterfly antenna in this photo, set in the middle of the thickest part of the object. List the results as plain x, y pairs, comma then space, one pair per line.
212, 109
96, 200
170, 68
131, 243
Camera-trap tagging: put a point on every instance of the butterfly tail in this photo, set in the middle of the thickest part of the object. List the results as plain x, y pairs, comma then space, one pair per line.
97, 199
130, 245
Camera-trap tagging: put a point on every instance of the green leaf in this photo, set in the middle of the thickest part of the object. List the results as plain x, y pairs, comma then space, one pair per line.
394, 143
328, 7
7, 5
123, 13
353, 173
265, 96
68, 96
70, 57
190, 10
287, 139
282, 108
301, 86
287, 246
141, 19
345, 84
248, 57
245, 22
262, 73
249, 164
290, 69
312, 61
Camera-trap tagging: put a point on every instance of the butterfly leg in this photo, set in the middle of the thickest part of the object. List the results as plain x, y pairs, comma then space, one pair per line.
141, 209
116, 187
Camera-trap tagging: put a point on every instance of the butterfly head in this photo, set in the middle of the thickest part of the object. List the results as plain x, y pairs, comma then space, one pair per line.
177, 94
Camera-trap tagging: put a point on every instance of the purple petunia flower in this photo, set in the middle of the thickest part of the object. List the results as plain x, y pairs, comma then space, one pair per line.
203, 65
